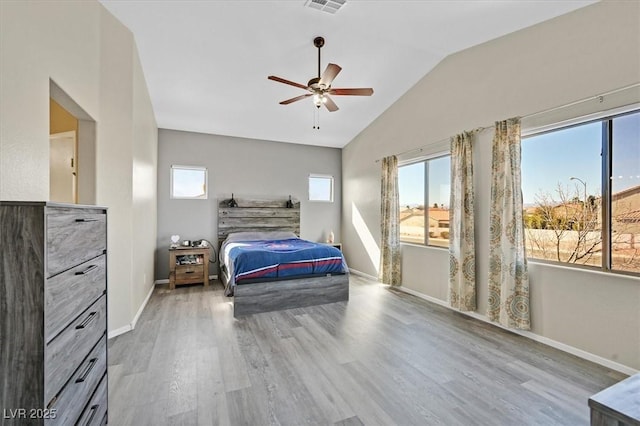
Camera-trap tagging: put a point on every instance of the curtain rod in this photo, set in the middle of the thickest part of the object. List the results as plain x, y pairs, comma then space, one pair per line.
599, 97
421, 148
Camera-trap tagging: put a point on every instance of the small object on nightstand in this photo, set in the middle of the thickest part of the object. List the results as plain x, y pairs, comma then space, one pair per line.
188, 265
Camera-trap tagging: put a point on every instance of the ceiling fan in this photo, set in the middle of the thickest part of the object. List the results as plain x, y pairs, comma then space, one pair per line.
320, 87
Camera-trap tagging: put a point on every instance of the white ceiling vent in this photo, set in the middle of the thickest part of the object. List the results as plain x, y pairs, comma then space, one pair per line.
329, 6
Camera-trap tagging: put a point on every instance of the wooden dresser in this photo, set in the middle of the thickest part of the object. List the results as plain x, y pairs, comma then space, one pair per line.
53, 311
617, 405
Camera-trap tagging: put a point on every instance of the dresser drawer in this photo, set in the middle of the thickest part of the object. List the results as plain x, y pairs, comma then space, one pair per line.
74, 236
66, 352
69, 293
189, 273
70, 402
96, 409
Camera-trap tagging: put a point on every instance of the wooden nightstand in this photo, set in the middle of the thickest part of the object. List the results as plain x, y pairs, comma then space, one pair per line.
188, 265
336, 245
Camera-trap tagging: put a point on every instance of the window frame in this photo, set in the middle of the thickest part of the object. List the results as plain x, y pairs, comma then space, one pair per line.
331, 187
606, 170
425, 161
198, 168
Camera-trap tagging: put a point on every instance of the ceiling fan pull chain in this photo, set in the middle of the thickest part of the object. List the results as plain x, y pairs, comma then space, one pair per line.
316, 118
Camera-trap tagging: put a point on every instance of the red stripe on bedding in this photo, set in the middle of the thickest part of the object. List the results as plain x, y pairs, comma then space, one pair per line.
257, 274
310, 263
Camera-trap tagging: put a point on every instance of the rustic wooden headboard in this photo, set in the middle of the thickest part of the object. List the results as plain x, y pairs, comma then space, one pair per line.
253, 214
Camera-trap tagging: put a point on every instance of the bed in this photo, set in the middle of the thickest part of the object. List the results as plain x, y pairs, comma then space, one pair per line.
266, 267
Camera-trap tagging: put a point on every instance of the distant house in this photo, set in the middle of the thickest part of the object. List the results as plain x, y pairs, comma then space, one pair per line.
438, 218
625, 210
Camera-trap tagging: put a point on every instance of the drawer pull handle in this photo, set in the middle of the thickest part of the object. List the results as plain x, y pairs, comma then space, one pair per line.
189, 272
86, 271
52, 402
86, 219
87, 370
94, 410
86, 321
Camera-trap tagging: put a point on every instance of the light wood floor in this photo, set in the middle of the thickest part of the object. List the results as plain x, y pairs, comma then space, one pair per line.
383, 358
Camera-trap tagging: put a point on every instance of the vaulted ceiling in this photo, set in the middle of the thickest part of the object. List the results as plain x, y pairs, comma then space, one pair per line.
206, 62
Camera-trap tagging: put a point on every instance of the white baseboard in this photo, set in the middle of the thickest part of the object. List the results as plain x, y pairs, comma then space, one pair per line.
166, 281
362, 274
132, 325
119, 331
536, 337
142, 306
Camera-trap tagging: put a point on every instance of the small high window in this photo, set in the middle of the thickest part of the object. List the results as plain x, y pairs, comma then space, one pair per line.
321, 188
188, 182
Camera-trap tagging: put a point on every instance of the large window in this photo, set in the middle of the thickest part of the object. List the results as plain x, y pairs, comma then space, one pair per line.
424, 201
581, 194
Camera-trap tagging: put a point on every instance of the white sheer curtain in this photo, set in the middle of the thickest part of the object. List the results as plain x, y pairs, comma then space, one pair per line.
508, 279
462, 256
390, 272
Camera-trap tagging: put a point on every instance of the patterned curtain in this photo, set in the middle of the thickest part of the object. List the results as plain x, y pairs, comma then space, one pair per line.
462, 256
390, 224
508, 279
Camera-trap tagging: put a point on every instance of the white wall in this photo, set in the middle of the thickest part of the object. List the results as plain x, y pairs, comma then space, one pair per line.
575, 56
91, 56
245, 167
145, 182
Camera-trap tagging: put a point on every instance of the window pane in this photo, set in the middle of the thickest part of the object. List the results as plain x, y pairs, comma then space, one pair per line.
439, 193
561, 189
411, 196
625, 194
320, 188
188, 182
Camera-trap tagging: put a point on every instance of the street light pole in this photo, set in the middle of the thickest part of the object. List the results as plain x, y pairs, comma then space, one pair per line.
584, 202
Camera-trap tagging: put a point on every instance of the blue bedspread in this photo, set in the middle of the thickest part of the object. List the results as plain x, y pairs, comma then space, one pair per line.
272, 259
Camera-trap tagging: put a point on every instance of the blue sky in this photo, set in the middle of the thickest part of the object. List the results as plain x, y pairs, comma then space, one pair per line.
411, 181
547, 160
188, 183
555, 157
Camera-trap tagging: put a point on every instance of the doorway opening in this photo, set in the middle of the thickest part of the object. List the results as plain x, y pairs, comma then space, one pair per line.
72, 150
63, 186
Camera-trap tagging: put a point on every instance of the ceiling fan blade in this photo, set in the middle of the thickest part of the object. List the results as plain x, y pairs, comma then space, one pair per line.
353, 92
331, 106
329, 74
297, 98
291, 83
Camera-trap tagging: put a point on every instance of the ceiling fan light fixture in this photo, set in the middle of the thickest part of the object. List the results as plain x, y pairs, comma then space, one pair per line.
319, 99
